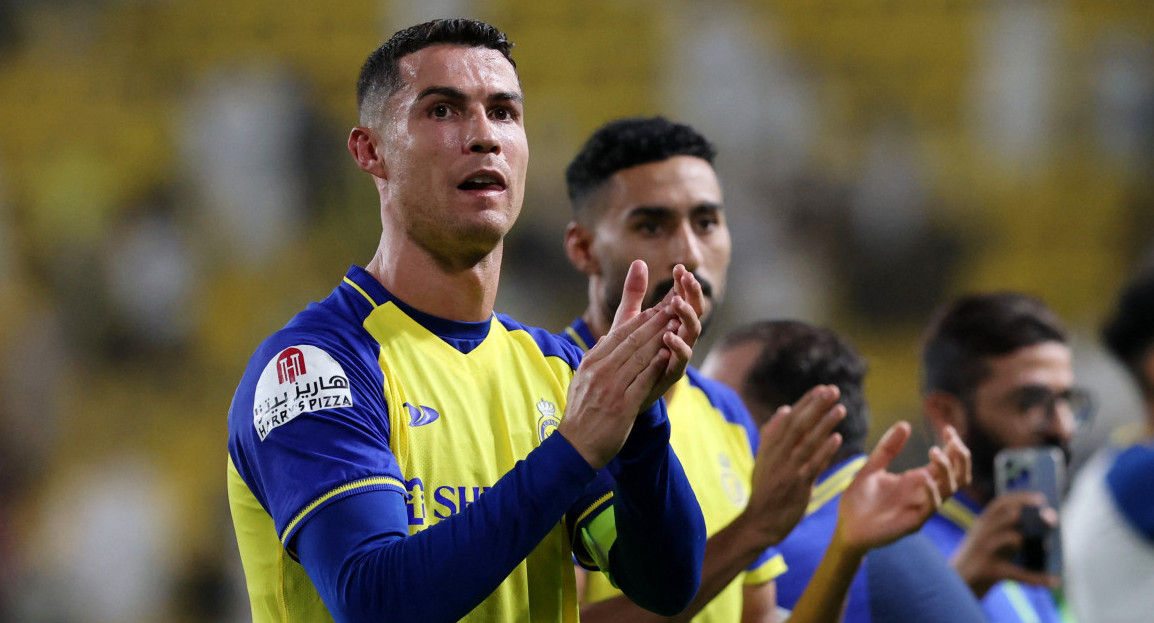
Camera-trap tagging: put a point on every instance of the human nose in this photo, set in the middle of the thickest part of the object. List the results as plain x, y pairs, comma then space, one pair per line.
686, 247
481, 138
1059, 420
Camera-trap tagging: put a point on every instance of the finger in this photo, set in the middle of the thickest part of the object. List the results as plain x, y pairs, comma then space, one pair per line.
772, 431
611, 342
813, 440
643, 383
959, 456
635, 352
888, 447
808, 412
680, 352
633, 293
679, 270
691, 289
943, 472
932, 489
1010, 571
690, 328
821, 459
1008, 506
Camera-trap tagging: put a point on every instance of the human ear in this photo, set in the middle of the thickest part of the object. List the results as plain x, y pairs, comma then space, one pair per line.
943, 409
365, 152
579, 248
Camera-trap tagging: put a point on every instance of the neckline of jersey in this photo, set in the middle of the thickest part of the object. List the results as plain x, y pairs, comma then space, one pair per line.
377, 295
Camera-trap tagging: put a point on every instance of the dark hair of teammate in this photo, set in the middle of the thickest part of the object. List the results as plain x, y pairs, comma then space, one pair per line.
624, 144
795, 357
972, 329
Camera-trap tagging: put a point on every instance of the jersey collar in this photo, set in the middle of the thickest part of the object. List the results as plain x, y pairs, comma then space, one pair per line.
455, 332
960, 510
578, 332
835, 480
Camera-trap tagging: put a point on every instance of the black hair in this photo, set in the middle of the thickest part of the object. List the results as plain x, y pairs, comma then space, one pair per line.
794, 358
974, 328
1129, 334
627, 143
380, 75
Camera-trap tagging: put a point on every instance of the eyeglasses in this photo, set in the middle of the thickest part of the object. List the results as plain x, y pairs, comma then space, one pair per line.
1039, 403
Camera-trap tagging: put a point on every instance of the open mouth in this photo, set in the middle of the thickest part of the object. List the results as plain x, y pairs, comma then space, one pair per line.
483, 181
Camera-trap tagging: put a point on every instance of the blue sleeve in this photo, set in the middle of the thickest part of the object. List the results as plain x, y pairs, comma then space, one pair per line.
309, 425
359, 555
656, 559
910, 581
1130, 481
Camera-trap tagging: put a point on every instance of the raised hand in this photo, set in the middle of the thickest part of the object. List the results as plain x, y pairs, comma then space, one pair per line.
986, 555
627, 369
796, 447
880, 507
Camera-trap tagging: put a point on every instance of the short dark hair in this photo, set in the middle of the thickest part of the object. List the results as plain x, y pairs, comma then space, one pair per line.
627, 143
1129, 334
794, 358
380, 75
965, 333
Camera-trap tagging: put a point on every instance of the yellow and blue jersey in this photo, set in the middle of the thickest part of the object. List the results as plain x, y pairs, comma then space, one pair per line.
1007, 601
907, 581
361, 393
715, 438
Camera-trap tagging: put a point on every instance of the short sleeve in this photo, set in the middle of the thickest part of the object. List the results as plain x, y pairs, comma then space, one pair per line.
770, 565
309, 425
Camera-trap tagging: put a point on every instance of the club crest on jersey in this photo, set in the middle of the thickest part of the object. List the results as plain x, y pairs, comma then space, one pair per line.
419, 415
548, 422
299, 379
731, 483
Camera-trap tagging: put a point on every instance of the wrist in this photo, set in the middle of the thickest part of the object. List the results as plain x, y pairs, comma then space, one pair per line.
650, 433
978, 584
595, 459
845, 545
755, 530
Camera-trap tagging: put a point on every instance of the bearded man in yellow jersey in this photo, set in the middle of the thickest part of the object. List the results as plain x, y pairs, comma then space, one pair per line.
646, 189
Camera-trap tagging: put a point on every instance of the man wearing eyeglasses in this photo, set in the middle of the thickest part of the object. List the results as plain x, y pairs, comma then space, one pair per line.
997, 368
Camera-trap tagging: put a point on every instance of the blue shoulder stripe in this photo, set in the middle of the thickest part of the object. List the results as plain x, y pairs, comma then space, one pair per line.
727, 402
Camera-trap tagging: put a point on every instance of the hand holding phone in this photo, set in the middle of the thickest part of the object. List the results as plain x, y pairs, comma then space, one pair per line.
1040, 470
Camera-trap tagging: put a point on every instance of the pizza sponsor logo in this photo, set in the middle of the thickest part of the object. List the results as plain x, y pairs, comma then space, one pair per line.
298, 380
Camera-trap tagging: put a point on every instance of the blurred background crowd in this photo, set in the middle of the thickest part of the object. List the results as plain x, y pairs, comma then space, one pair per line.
174, 186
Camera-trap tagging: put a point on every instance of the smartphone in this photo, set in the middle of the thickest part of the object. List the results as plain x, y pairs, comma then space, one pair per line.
1041, 469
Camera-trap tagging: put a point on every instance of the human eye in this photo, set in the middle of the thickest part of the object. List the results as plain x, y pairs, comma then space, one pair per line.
503, 113
440, 111
707, 223
1033, 398
647, 227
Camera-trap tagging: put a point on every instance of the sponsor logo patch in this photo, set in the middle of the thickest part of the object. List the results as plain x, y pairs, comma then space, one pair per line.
300, 379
